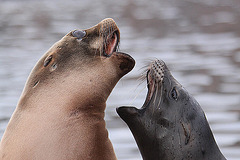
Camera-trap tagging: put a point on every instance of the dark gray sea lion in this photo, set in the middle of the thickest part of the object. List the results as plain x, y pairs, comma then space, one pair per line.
171, 124
60, 114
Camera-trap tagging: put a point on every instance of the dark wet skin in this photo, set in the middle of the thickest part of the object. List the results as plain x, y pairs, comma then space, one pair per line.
171, 124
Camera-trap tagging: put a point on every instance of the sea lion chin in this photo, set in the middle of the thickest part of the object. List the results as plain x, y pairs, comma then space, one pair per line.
60, 114
171, 123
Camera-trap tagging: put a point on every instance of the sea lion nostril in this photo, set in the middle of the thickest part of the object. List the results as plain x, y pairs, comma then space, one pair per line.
79, 34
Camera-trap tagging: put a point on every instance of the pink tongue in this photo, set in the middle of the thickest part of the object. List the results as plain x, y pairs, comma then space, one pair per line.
111, 45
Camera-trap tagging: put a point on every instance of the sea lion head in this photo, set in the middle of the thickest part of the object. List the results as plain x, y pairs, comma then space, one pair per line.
171, 123
83, 66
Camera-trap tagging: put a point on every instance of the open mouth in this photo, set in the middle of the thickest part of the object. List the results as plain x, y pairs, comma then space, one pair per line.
111, 43
155, 77
150, 86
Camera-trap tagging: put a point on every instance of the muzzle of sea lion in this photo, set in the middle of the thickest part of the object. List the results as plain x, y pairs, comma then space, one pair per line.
158, 76
155, 75
110, 35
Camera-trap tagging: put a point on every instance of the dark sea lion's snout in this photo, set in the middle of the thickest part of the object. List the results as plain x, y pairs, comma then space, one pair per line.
160, 84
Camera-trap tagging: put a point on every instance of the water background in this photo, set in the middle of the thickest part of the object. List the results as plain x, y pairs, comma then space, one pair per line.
199, 40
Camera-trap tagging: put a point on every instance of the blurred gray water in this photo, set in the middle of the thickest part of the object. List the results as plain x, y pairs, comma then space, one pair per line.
199, 40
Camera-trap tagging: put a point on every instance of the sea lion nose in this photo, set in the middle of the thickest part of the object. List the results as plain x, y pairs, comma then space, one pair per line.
79, 34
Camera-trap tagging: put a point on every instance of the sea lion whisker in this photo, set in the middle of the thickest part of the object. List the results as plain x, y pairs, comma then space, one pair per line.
141, 90
105, 41
155, 92
144, 70
110, 42
160, 99
147, 61
155, 96
118, 46
141, 81
110, 29
136, 95
100, 36
141, 78
104, 35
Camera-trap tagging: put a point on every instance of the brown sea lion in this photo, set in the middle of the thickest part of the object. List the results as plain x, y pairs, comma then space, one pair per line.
60, 114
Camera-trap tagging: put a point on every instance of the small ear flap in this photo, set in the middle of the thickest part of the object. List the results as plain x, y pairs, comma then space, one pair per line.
127, 113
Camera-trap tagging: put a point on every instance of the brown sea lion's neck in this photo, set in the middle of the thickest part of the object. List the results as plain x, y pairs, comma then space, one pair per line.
82, 135
81, 130
76, 113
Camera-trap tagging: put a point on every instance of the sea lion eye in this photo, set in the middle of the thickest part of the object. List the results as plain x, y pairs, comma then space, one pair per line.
174, 94
79, 34
47, 61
